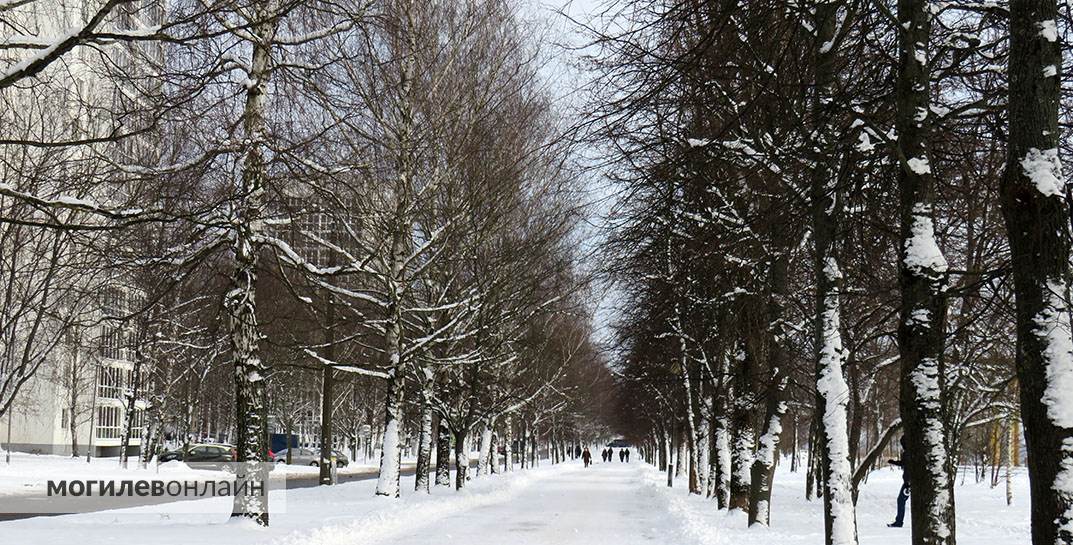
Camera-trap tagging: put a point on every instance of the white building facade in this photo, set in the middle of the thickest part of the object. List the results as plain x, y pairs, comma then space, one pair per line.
77, 391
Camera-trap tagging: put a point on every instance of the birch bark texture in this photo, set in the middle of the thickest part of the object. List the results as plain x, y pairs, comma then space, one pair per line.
241, 300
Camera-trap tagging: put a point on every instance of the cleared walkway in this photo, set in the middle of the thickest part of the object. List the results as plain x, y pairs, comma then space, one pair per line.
599, 504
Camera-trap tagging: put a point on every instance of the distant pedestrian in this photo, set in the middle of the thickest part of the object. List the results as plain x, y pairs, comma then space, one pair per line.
577, 451
621, 455
586, 457
903, 494
627, 456
603, 455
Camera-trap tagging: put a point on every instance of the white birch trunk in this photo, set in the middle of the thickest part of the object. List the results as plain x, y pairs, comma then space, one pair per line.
723, 461
240, 300
391, 451
704, 442
424, 447
485, 449
508, 431
833, 393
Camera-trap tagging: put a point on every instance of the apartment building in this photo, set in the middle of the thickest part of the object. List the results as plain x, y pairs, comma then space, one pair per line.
76, 378
77, 399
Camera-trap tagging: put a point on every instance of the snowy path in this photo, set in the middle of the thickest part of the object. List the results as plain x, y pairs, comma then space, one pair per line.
601, 504
549, 505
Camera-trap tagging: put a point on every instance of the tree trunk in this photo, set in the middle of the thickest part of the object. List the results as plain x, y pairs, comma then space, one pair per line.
810, 469
251, 427
508, 452
832, 392
290, 432
691, 425
131, 397
723, 459
461, 459
327, 398
1036, 211
1011, 447
704, 450
763, 468
922, 278
794, 446
681, 455
391, 451
72, 403
443, 453
151, 440
661, 452
742, 433
493, 453
856, 408
523, 446
401, 241
424, 442
484, 451
326, 425
661, 448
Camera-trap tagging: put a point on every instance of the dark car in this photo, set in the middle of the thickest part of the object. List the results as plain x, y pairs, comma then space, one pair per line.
209, 452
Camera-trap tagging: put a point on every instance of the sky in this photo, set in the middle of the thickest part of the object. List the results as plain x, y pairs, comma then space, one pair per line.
566, 43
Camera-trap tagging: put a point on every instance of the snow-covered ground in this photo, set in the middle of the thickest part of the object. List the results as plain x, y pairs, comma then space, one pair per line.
346, 513
561, 504
28, 473
983, 518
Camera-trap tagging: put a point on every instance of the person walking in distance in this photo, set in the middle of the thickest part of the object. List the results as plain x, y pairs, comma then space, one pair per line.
903, 495
586, 456
627, 451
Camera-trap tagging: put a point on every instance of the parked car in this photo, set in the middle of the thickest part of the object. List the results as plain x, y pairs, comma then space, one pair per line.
201, 452
304, 456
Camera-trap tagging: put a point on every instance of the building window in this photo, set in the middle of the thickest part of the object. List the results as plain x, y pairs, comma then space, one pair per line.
114, 301
108, 423
112, 381
138, 424
112, 342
